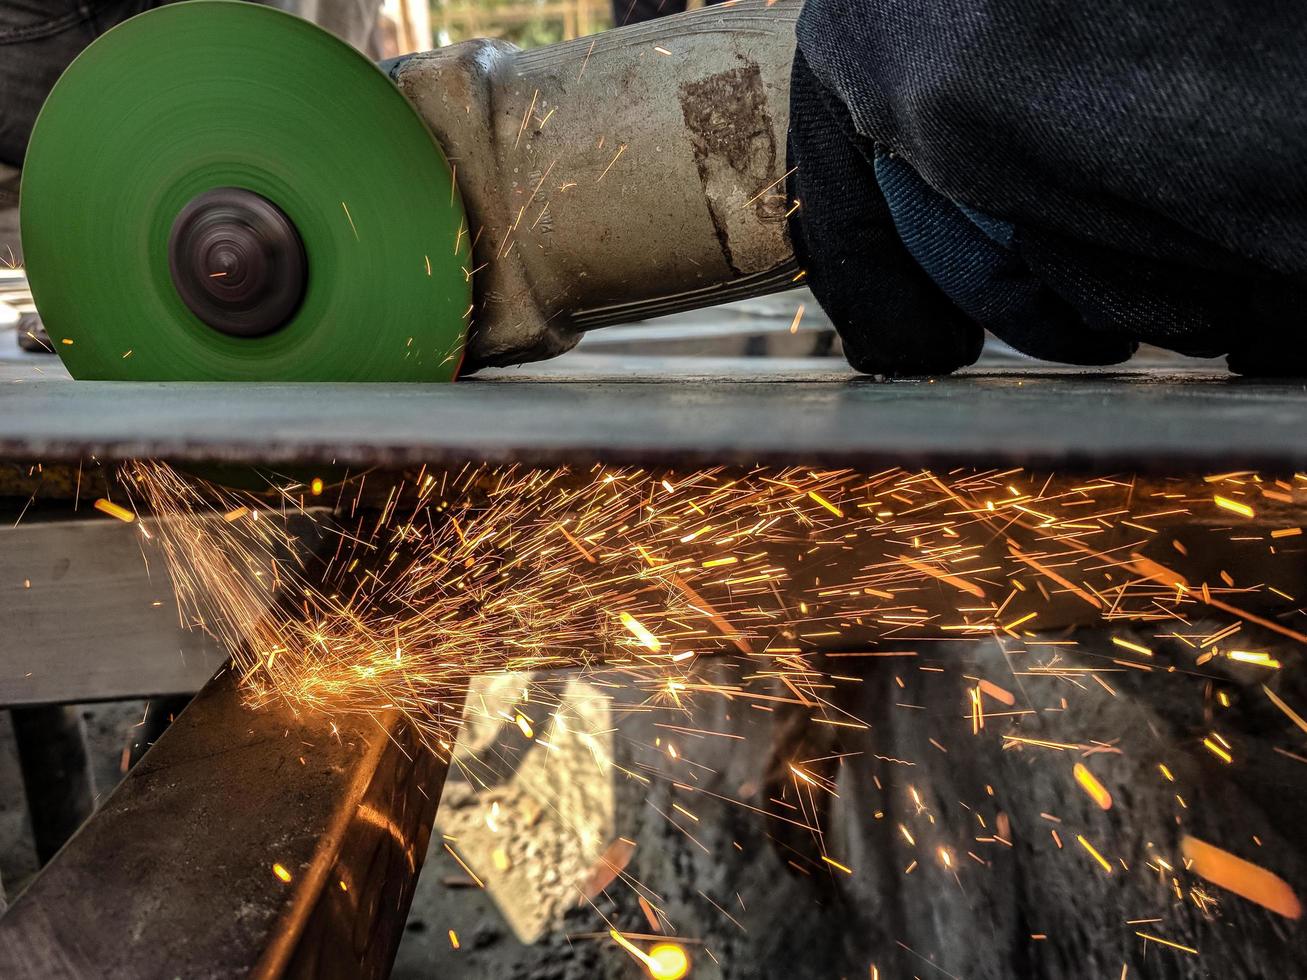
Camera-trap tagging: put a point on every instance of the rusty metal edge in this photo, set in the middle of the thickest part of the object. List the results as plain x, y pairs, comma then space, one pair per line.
1164, 424
174, 875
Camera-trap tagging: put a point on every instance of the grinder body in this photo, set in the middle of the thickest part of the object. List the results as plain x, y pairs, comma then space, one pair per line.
637, 172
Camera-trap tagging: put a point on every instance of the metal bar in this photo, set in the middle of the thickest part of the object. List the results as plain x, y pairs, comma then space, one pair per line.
177, 874
1149, 421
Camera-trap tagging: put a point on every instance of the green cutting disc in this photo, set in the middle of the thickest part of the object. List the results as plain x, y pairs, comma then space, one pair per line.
219, 191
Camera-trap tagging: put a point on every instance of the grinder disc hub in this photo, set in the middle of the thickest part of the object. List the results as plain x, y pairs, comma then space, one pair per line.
237, 262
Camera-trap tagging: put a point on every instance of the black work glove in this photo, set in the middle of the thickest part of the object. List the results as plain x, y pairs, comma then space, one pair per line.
1075, 178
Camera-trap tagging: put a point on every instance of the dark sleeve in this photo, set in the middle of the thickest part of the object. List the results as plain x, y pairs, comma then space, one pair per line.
38, 40
1146, 158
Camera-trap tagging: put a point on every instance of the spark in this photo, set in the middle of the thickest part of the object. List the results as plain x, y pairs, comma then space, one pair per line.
794, 324
1017, 622
1245, 879
637, 577
640, 632
649, 962
958, 583
1166, 942
1292, 715
282, 874
1090, 784
349, 217
835, 864
778, 180
1093, 852
586, 60
1217, 751
526, 117
1258, 657
1234, 506
670, 961
997, 693
825, 503
1129, 645
114, 510
1042, 743
463, 864
620, 150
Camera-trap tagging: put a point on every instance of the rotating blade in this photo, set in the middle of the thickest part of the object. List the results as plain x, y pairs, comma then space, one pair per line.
219, 191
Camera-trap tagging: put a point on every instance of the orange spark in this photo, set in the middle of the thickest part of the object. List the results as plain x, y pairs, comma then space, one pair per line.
1234, 506
958, 583
1093, 852
1090, 784
113, 510
640, 632
1292, 715
1245, 879
670, 962
997, 693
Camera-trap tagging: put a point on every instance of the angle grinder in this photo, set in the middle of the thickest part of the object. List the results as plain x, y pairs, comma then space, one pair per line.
217, 190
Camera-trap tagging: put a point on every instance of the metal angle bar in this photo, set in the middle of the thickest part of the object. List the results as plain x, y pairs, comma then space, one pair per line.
246, 842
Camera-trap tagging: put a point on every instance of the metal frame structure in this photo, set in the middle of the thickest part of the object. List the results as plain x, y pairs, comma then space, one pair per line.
245, 842
185, 853
723, 411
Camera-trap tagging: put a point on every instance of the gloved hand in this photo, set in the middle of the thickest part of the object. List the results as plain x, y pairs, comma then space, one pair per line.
1075, 178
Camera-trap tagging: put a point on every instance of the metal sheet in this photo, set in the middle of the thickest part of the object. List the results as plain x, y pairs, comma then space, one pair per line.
714, 413
176, 873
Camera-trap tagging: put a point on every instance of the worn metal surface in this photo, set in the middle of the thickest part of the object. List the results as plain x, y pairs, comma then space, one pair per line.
174, 876
1153, 421
572, 159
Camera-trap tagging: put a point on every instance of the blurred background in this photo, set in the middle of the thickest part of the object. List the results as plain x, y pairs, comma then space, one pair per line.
416, 25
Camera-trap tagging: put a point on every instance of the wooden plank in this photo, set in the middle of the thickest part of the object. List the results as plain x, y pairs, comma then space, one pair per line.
87, 613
